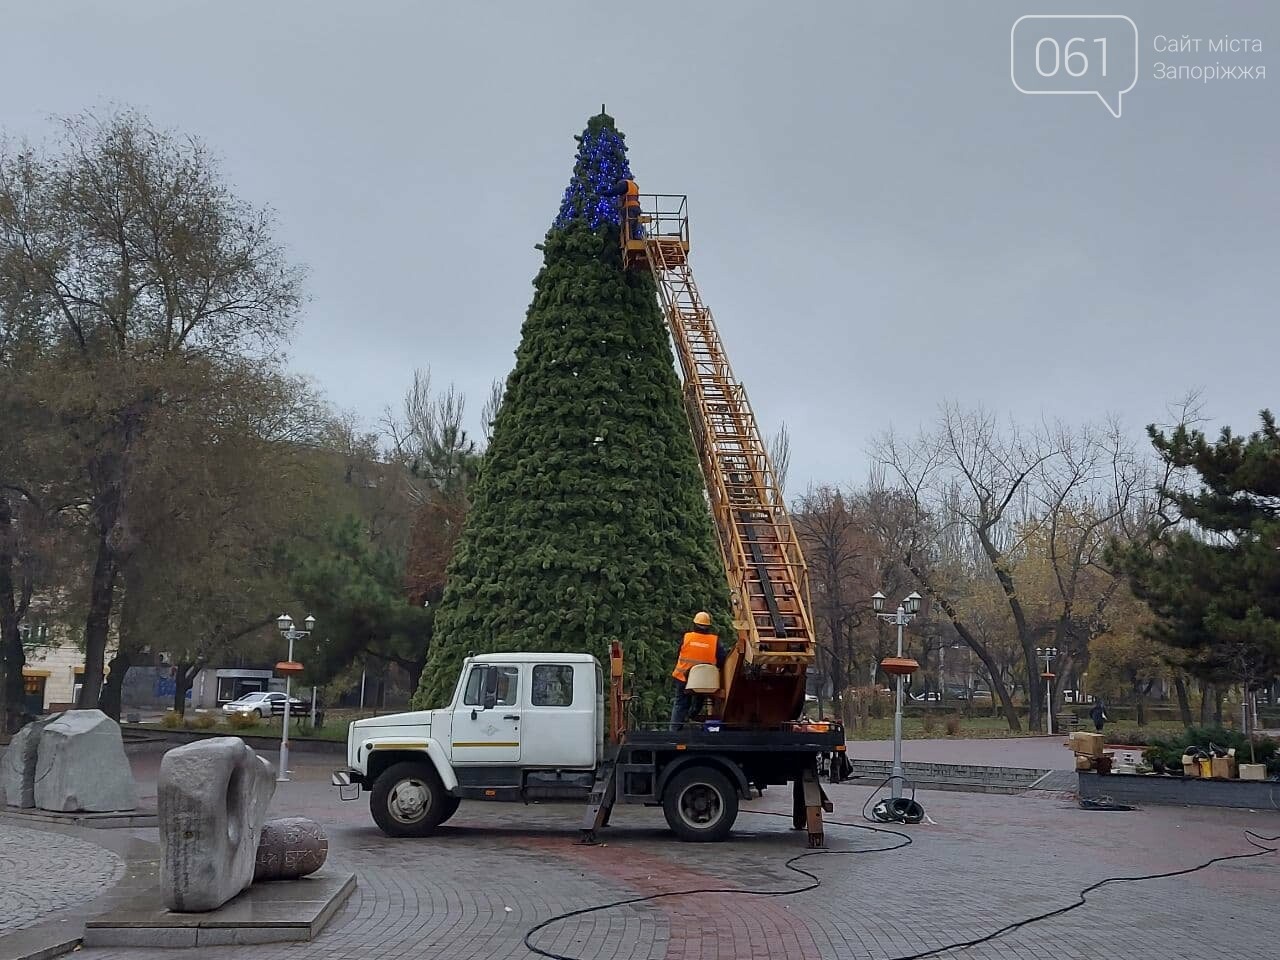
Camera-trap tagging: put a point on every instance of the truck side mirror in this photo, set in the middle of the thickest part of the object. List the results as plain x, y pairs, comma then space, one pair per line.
490, 696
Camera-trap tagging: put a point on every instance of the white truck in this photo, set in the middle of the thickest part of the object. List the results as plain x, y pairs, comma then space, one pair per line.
530, 727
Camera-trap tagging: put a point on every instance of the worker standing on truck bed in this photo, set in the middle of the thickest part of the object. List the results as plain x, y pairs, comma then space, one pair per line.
700, 645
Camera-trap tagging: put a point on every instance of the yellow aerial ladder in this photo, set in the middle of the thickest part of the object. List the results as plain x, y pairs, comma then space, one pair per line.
764, 678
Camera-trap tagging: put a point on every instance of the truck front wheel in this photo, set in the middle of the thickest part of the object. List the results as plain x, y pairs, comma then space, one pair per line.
408, 800
700, 804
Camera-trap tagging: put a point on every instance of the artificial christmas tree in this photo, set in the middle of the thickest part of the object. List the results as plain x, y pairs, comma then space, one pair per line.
589, 520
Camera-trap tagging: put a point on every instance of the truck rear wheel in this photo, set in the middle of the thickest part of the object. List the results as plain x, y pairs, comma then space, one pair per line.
408, 800
700, 805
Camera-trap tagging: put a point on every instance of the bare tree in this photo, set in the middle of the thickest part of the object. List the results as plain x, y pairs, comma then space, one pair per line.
1040, 510
429, 437
834, 541
967, 474
131, 261
780, 455
442, 461
492, 404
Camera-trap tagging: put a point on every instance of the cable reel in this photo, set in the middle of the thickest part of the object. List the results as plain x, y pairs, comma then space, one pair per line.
901, 810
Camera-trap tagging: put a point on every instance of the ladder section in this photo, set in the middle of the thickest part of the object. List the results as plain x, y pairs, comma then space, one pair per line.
767, 573
600, 801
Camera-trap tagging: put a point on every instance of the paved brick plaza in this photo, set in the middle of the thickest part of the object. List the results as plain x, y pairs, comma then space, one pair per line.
472, 892
42, 873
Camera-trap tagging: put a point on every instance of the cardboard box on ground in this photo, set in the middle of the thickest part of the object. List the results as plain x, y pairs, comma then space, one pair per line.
1086, 744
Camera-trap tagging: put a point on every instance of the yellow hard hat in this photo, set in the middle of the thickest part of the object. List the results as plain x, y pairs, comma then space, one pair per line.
702, 618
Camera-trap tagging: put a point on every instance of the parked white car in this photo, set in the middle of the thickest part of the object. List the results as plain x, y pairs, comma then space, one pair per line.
264, 705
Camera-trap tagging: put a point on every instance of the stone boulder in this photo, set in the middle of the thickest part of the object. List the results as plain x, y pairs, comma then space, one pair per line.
212, 798
18, 767
81, 765
290, 848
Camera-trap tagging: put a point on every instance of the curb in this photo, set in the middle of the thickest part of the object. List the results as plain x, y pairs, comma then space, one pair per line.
133, 734
41, 942
962, 778
93, 821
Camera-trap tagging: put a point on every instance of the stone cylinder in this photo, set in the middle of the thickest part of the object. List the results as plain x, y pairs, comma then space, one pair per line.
291, 847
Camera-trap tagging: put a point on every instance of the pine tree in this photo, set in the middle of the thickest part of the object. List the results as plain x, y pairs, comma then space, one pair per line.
1215, 587
589, 520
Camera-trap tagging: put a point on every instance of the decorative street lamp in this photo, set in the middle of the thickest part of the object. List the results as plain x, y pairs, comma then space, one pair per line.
899, 667
1047, 654
289, 667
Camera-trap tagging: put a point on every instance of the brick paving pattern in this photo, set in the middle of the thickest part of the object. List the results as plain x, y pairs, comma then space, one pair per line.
473, 891
42, 873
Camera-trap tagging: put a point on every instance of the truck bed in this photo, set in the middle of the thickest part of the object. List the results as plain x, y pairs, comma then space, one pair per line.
736, 740
752, 757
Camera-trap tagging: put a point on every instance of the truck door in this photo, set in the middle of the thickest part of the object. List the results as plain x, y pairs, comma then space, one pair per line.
486, 724
559, 716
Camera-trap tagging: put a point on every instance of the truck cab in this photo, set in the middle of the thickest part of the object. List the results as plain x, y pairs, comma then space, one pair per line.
520, 726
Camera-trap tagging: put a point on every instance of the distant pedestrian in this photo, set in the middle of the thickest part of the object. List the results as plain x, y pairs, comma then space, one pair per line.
1098, 715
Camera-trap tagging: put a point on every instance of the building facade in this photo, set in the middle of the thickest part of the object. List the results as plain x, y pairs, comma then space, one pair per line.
54, 670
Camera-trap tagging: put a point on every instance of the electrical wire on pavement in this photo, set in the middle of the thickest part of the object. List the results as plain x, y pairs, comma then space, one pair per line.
895, 809
813, 882
1251, 837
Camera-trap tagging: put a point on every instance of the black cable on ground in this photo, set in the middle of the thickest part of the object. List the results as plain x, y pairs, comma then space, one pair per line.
1249, 835
814, 882
1103, 803
893, 810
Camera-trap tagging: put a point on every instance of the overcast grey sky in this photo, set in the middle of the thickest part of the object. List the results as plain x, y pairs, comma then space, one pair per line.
881, 222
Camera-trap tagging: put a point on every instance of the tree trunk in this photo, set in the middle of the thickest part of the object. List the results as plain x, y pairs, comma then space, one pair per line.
111, 700
1204, 703
130, 645
1024, 636
836, 673
1217, 705
184, 675
1184, 702
415, 671
977, 646
12, 655
97, 625
108, 473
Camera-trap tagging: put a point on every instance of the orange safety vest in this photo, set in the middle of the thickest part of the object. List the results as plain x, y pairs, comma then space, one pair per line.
696, 648
632, 199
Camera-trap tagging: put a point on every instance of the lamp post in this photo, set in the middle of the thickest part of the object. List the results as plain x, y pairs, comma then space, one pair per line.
899, 667
289, 667
1047, 654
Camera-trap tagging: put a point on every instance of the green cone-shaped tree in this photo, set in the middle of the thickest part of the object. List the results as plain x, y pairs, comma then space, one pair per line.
588, 521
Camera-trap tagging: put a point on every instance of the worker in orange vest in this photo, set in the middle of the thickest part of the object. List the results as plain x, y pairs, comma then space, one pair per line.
630, 194
700, 645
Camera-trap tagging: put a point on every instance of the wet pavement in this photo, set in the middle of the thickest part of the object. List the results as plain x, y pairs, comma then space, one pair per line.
42, 873
982, 862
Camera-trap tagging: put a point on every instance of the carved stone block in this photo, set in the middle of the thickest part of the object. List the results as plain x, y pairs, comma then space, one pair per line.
212, 797
290, 848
